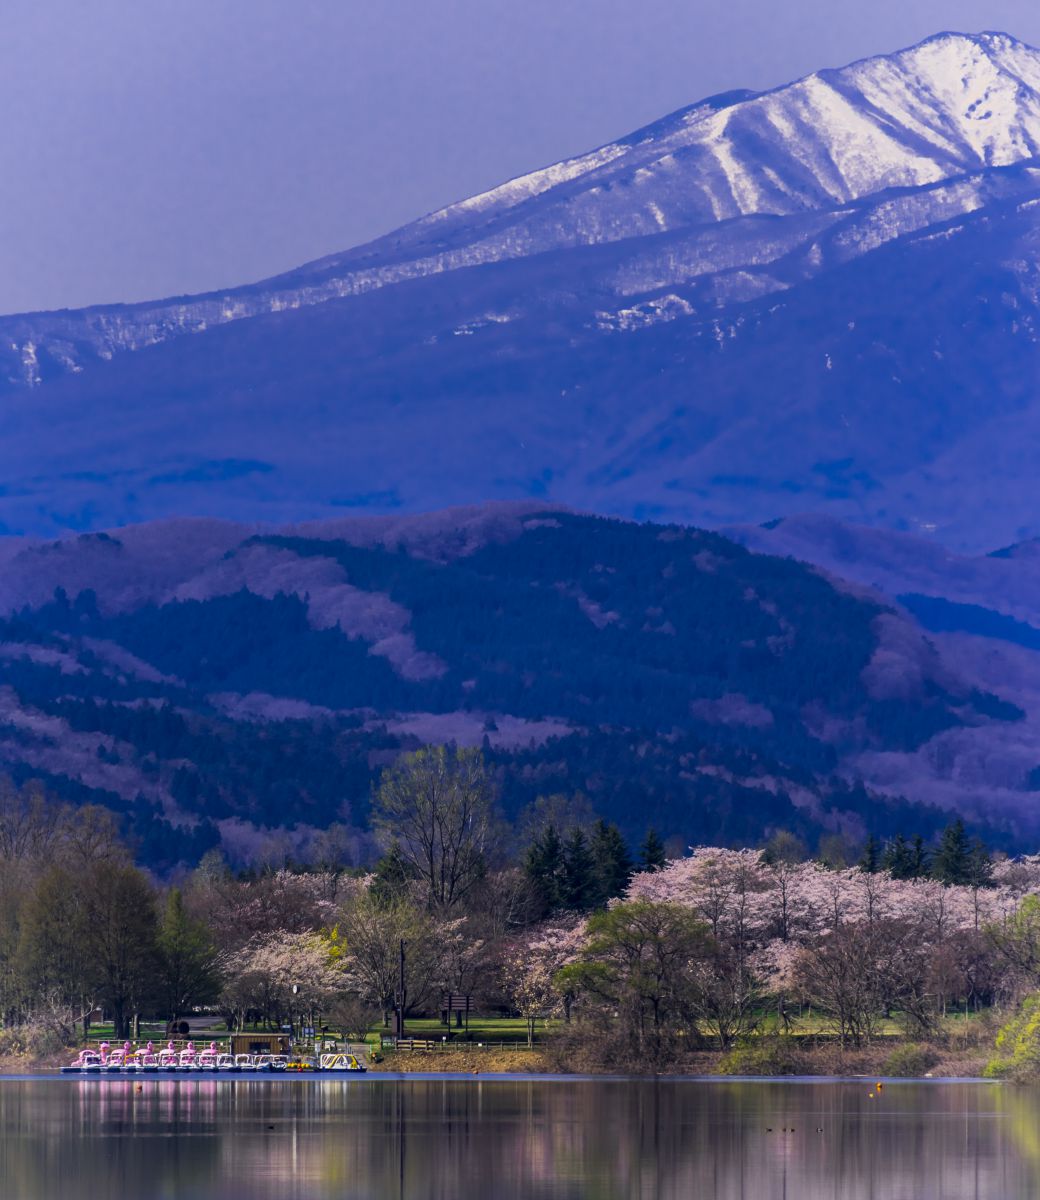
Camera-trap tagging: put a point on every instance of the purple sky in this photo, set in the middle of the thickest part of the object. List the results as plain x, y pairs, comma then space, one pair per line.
152, 147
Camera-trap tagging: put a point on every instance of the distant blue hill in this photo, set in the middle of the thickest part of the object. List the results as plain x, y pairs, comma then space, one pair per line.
947, 616
206, 682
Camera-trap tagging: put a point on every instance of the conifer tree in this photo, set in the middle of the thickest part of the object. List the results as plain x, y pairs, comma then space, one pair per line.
578, 883
898, 858
953, 858
871, 859
980, 865
612, 863
392, 876
651, 852
543, 865
920, 859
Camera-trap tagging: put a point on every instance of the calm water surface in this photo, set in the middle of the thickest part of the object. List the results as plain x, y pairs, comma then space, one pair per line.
308, 1139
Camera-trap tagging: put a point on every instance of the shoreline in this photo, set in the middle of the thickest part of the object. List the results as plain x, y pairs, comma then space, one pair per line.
54, 1075
868, 1062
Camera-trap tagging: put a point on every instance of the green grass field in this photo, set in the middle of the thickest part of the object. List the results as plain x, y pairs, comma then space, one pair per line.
513, 1030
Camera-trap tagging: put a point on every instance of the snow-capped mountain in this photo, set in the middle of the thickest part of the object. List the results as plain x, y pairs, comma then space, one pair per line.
823, 296
939, 111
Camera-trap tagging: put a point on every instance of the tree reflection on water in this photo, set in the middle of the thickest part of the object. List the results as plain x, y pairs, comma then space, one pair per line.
297, 1139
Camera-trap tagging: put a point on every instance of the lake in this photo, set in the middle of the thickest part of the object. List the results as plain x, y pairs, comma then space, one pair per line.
511, 1137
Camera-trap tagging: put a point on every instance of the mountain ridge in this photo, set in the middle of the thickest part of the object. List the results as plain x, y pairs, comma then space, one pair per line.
555, 174
207, 681
646, 330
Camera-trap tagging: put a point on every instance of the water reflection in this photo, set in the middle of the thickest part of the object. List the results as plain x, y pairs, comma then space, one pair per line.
310, 1139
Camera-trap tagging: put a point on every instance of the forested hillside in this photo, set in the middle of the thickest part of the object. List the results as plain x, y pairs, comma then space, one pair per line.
215, 688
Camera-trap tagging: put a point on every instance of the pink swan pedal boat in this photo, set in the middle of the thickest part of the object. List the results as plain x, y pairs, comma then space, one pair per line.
88, 1062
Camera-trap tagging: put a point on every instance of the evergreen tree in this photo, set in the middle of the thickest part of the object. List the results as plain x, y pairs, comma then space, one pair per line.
651, 852
920, 864
980, 865
392, 876
578, 883
953, 859
898, 858
543, 865
871, 858
612, 862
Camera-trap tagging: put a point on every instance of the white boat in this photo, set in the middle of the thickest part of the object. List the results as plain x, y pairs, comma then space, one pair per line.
227, 1062
245, 1062
341, 1062
88, 1063
113, 1064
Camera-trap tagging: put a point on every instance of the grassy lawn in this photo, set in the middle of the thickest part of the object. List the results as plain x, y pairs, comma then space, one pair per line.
499, 1029
512, 1031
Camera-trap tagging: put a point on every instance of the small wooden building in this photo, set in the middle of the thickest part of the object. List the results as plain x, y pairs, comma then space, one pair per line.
260, 1043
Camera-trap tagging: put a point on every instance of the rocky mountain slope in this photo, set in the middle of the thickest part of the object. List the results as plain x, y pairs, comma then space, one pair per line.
821, 297
211, 682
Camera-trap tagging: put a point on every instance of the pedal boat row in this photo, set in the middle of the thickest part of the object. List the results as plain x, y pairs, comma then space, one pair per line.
123, 1061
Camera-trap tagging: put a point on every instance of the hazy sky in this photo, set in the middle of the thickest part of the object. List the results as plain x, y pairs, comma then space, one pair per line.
152, 147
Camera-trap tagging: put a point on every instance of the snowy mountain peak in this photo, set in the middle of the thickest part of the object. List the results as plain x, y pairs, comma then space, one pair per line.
821, 294
949, 106
971, 97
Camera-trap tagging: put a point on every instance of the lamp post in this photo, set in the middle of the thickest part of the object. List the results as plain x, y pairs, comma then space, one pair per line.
401, 996
292, 1026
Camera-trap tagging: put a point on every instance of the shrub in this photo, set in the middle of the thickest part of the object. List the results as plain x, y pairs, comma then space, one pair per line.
1018, 1045
33, 1039
909, 1061
763, 1056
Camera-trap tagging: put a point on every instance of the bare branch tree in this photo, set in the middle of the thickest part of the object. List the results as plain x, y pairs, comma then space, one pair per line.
439, 805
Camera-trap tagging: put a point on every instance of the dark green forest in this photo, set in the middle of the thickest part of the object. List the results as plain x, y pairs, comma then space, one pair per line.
625, 633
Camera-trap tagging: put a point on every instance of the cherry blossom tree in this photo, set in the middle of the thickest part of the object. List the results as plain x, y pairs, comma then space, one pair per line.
531, 967
263, 975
